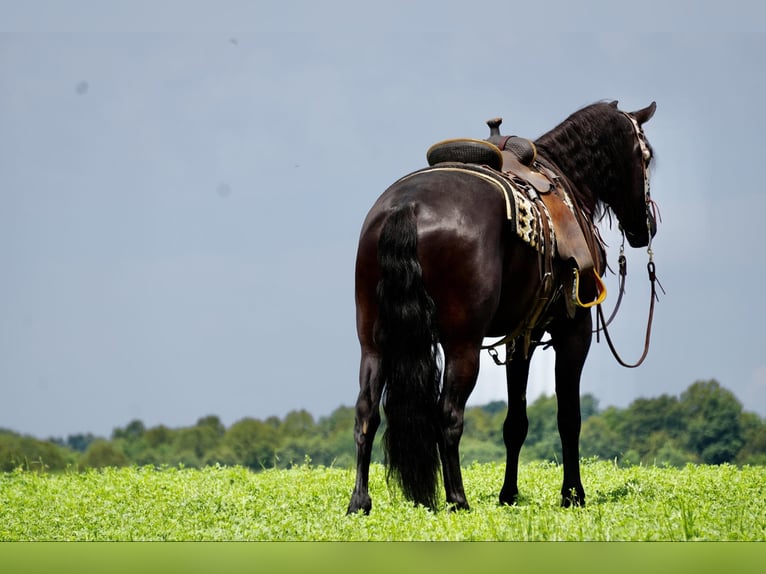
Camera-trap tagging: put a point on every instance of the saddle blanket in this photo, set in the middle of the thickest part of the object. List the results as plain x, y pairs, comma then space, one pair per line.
524, 215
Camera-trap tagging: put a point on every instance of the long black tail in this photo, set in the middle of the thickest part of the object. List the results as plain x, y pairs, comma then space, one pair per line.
410, 365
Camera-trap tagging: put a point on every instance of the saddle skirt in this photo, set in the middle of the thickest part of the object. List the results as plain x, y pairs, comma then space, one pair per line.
523, 214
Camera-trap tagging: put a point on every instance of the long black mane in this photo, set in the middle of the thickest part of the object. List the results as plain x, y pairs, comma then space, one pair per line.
585, 147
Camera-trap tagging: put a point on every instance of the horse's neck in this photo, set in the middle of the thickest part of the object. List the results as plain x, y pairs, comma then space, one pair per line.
580, 190
576, 148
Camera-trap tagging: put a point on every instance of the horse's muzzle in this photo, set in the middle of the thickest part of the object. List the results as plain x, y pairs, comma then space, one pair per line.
641, 238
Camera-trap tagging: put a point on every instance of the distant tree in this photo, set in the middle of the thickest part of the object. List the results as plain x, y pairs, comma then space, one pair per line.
713, 427
644, 427
662, 448
298, 423
197, 441
157, 436
253, 442
80, 442
213, 423
274, 422
340, 421
102, 453
32, 454
134, 429
11, 456
481, 451
644, 417
543, 442
670, 453
131, 442
706, 424
495, 407
753, 450
222, 455
329, 442
599, 438
588, 406
478, 425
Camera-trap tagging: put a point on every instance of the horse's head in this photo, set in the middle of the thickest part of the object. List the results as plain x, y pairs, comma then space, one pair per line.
633, 207
604, 153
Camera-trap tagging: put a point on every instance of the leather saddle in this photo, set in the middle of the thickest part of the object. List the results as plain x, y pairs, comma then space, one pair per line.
520, 161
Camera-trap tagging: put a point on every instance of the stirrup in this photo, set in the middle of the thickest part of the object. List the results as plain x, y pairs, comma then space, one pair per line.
600, 288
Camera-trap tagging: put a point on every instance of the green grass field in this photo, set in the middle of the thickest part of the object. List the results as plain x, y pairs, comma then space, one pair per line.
308, 504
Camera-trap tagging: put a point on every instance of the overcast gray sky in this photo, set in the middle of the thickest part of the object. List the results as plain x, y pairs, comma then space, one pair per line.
182, 186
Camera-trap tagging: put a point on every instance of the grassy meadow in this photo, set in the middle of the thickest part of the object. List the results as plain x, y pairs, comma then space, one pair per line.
305, 503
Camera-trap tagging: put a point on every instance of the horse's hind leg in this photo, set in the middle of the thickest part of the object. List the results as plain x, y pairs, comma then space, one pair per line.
365, 425
461, 367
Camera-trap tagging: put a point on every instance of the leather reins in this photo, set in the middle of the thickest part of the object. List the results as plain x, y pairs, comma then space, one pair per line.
652, 212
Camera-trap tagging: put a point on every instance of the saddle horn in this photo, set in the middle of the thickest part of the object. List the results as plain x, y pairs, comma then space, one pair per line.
523, 149
494, 127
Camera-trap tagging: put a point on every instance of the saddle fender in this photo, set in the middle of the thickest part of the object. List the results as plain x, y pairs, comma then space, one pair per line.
584, 284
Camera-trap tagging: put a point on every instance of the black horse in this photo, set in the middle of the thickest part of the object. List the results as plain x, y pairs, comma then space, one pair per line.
437, 264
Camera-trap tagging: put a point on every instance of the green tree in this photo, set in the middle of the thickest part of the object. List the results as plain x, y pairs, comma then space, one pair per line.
102, 453
754, 435
298, 423
588, 406
131, 442
332, 442
340, 421
645, 417
601, 439
192, 445
32, 454
213, 424
647, 426
254, 443
671, 454
543, 442
475, 450
477, 425
133, 430
75, 442
713, 422
157, 436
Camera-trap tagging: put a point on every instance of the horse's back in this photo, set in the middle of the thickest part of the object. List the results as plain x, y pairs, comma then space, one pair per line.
440, 197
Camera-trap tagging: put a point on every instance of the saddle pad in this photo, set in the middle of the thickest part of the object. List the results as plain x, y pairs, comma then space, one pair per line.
523, 214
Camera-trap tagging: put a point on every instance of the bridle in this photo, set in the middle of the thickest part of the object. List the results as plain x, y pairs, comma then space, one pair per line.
652, 214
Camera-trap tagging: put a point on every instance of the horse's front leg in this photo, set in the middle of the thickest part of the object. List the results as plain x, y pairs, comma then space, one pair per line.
365, 425
516, 422
571, 340
461, 367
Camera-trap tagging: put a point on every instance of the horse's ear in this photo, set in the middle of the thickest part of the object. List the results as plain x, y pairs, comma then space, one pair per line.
644, 115
613, 104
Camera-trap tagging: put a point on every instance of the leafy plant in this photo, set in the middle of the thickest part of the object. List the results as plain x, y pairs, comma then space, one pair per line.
308, 502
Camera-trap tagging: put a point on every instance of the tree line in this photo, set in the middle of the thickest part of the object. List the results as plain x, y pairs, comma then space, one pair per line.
705, 424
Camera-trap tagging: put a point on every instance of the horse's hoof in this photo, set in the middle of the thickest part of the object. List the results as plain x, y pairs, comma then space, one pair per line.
456, 506
509, 499
361, 504
575, 497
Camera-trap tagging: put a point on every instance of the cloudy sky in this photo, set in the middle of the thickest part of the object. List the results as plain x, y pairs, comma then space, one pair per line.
182, 188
